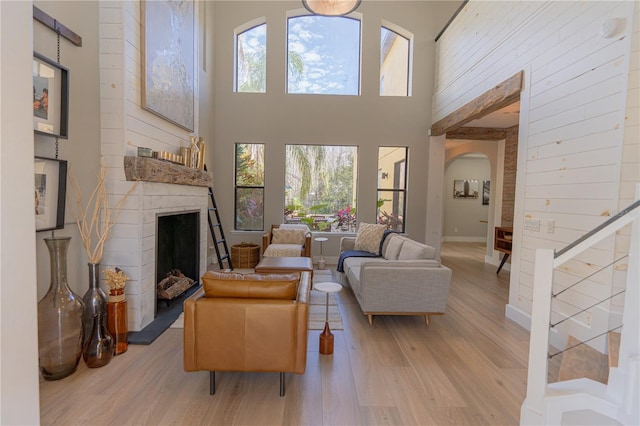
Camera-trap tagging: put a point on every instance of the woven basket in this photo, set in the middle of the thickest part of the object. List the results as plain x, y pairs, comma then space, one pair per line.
245, 255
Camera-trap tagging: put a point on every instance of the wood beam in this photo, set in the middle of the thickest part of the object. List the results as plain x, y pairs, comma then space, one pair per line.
50, 22
500, 96
477, 133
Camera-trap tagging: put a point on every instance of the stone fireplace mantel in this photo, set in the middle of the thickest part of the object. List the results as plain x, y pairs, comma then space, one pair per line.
152, 170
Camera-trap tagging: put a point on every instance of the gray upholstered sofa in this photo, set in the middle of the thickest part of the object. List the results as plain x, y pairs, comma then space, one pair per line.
405, 280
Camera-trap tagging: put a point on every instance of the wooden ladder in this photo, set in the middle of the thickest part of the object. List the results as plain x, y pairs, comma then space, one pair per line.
219, 241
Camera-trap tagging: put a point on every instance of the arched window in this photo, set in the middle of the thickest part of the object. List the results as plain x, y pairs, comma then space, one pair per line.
251, 58
323, 55
395, 61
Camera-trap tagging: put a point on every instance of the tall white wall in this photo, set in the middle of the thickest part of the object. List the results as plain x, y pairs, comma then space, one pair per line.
368, 121
18, 314
572, 121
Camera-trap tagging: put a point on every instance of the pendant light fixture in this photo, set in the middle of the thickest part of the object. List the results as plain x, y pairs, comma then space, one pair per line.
331, 7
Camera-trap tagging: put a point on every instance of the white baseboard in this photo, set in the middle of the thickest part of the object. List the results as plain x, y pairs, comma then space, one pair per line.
464, 239
518, 316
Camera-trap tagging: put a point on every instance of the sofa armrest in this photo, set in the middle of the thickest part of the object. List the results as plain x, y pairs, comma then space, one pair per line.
266, 240
304, 287
347, 243
189, 330
307, 245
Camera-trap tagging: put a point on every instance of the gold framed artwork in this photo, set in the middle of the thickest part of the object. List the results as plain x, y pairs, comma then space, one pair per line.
168, 57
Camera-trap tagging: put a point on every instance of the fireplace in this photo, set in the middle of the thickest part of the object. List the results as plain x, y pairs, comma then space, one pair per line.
178, 245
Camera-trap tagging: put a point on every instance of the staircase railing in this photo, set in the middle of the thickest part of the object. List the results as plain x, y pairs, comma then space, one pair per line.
544, 403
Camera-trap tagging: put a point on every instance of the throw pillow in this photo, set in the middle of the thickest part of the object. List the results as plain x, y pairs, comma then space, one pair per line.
413, 251
287, 236
393, 247
369, 236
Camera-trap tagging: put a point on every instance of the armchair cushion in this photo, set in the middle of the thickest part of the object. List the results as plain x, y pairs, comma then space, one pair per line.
250, 286
288, 236
287, 249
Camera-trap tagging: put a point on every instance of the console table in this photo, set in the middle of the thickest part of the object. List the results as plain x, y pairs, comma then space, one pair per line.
502, 242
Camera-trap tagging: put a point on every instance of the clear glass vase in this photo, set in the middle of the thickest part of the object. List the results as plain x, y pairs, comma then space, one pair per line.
95, 300
60, 313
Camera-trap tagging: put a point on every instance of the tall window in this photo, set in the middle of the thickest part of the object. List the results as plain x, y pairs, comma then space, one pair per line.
394, 63
320, 186
251, 60
392, 186
323, 55
249, 187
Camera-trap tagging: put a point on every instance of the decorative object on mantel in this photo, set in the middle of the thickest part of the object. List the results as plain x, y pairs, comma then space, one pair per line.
152, 170
117, 309
98, 349
99, 224
168, 60
59, 318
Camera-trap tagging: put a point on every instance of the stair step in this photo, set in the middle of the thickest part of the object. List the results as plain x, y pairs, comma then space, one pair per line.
583, 361
614, 348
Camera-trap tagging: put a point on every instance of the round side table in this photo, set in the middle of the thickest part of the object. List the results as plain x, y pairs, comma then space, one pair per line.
326, 337
321, 240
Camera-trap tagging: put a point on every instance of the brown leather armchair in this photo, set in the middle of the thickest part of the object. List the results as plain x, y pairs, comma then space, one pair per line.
247, 322
299, 238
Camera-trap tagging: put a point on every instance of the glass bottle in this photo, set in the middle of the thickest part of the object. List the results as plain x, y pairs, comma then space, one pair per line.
95, 301
60, 314
117, 320
98, 349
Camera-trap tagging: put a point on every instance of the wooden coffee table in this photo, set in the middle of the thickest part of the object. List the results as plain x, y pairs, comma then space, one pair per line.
283, 265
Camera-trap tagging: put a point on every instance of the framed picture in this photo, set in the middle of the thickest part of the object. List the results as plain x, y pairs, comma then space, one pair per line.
50, 97
486, 186
465, 189
50, 193
168, 43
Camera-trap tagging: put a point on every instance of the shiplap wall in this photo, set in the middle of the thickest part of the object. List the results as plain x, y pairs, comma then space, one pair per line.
123, 120
572, 136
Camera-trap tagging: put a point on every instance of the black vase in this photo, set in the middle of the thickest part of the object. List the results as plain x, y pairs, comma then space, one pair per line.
95, 300
59, 318
98, 349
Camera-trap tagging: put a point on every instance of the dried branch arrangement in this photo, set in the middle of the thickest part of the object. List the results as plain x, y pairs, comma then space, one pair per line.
97, 218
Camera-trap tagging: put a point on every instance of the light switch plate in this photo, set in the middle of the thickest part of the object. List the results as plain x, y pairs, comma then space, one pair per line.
532, 224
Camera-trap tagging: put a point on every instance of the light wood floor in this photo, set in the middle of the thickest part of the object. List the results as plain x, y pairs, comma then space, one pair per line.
468, 367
